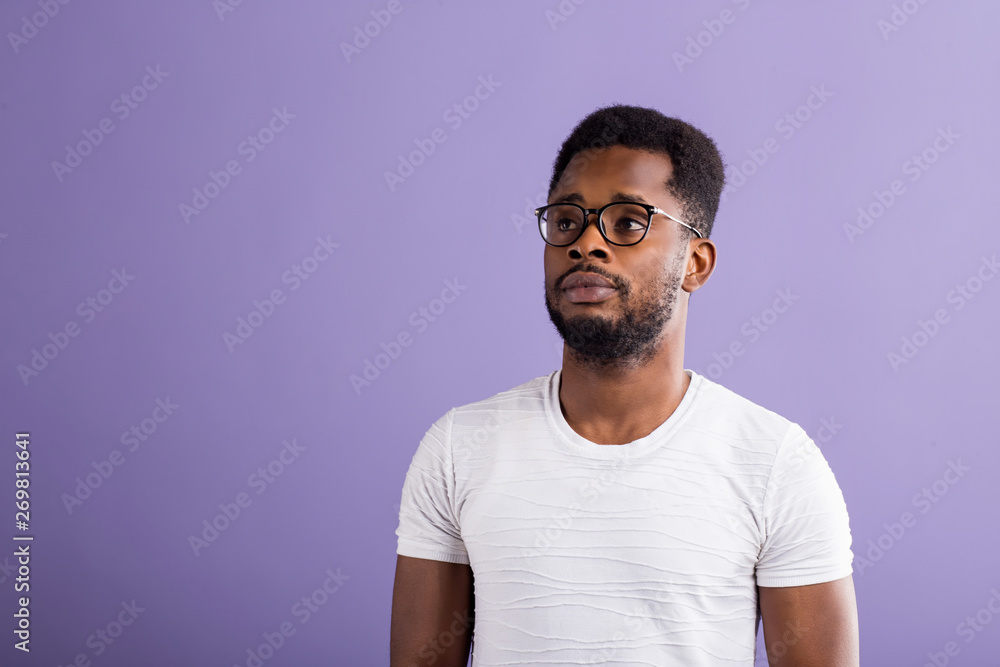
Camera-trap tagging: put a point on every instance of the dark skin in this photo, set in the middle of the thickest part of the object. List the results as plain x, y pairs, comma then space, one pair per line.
616, 403
430, 601
804, 626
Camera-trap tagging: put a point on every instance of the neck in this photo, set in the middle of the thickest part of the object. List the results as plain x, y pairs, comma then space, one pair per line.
616, 404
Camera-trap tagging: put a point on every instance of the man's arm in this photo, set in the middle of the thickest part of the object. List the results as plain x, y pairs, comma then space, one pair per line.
433, 607
811, 626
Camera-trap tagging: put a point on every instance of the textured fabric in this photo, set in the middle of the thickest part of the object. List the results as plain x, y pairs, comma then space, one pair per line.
647, 553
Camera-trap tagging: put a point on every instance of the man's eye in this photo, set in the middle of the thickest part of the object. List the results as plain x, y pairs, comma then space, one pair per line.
630, 225
566, 224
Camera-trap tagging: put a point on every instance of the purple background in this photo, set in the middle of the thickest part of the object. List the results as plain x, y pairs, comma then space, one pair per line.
459, 217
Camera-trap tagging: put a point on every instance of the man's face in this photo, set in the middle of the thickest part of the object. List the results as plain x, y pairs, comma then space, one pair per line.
620, 326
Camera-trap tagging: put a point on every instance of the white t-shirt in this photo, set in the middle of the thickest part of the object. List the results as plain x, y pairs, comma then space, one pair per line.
647, 553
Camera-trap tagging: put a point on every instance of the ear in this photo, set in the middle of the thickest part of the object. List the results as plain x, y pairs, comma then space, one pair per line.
700, 264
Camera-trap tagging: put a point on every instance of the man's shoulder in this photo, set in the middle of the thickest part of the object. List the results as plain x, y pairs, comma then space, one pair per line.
525, 399
732, 415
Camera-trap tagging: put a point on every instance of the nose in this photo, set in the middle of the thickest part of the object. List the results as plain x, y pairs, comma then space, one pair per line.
591, 242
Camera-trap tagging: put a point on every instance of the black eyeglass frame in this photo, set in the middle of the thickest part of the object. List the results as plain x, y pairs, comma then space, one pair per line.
650, 209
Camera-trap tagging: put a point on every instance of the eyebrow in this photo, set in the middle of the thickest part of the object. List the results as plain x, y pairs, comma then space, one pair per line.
577, 198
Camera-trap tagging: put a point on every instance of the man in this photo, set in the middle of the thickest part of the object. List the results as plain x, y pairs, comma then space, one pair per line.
623, 510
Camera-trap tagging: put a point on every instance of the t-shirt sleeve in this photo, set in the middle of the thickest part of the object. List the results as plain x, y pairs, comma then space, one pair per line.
428, 523
807, 534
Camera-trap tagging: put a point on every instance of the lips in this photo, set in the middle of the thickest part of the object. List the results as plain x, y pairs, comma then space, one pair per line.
581, 279
587, 288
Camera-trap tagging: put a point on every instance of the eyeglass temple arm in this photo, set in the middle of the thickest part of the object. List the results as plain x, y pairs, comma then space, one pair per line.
680, 222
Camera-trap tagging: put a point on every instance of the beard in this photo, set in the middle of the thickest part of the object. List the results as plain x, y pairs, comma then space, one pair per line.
630, 339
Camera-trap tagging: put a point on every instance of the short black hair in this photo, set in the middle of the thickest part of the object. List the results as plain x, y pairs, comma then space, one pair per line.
698, 171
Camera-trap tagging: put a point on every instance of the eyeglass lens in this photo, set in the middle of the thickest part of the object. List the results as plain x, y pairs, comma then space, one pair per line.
624, 224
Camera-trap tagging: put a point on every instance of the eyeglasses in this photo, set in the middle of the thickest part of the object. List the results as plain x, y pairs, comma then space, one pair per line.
620, 223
